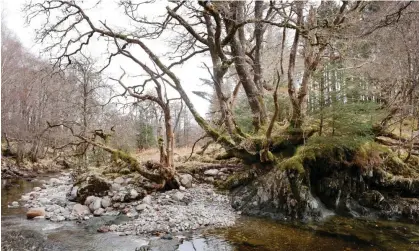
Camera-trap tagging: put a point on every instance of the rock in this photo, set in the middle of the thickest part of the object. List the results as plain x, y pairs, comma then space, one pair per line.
115, 187
15, 204
371, 199
133, 194
25, 197
106, 202
182, 188
147, 200
80, 210
60, 218
99, 212
62, 202
209, 179
45, 201
92, 185
167, 237
54, 181
132, 213
211, 172
119, 180
141, 207
96, 204
186, 180
178, 196
143, 248
125, 171
37, 189
103, 229
35, 212
54, 218
89, 200
73, 193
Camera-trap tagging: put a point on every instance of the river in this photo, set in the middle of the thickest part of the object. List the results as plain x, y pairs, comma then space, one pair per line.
335, 233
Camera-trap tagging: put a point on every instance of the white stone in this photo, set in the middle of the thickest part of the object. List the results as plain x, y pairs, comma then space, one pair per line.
211, 172
141, 207
119, 180
115, 187
106, 202
80, 210
44, 201
133, 194
96, 204
147, 200
25, 197
37, 189
186, 180
89, 200
55, 181
98, 212
132, 213
178, 196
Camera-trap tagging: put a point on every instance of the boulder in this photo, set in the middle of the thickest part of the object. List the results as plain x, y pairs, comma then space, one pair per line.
211, 172
96, 204
178, 196
186, 180
106, 202
133, 194
73, 193
92, 185
80, 210
89, 200
35, 212
99, 212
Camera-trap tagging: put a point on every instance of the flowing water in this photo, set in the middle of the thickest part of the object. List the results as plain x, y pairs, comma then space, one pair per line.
334, 233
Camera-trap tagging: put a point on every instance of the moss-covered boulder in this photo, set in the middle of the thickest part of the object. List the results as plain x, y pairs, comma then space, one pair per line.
91, 185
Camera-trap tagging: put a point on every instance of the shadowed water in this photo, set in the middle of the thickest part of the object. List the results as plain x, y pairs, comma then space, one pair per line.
335, 233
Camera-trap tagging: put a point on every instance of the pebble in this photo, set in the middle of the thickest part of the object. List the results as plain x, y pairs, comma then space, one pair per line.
147, 200
141, 207
119, 180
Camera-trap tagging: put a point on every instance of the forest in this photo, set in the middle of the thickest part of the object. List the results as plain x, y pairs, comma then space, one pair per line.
292, 110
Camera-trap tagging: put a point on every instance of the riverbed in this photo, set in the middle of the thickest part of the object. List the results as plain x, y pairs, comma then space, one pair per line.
334, 233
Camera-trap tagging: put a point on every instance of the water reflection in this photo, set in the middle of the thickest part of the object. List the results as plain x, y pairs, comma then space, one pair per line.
12, 190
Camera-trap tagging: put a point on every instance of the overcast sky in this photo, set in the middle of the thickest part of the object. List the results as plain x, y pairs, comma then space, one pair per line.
189, 73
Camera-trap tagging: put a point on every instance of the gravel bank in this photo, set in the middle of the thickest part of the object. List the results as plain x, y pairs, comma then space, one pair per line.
157, 213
